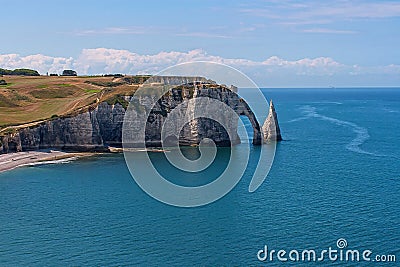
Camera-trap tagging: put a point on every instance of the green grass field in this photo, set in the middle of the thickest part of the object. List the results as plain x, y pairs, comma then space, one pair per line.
27, 99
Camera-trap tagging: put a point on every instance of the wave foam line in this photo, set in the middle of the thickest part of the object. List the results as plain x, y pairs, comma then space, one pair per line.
361, 132
58, 161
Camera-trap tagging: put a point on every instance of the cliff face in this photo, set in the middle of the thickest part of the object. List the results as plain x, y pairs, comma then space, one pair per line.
199, 128
96, 129
80, 132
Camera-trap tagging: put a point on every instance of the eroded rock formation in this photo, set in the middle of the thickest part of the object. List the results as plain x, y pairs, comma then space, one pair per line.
270, 129
98, 128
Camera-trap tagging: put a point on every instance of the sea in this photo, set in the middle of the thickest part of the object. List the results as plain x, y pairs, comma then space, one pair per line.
334, 185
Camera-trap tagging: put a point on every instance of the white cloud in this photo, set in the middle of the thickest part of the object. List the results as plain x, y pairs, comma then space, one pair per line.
212, 32
326, 30
273, 69
357, 9
292, 14
114, 30
203, 35
318, 10
38, 62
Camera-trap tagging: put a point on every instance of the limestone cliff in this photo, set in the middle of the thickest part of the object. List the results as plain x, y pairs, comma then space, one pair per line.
200, 128
100, 127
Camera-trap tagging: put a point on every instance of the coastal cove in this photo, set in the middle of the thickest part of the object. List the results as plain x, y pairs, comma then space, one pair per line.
335, 175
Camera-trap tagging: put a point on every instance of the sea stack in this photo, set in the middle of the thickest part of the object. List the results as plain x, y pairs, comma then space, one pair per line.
270, 129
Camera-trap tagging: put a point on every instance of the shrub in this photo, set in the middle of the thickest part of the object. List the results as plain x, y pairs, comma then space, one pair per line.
104, 84
117, 75
69, 73
5, 72
26, 72
139, 79
118, 99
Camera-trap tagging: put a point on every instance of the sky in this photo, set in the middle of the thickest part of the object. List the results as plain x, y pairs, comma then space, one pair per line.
284, 43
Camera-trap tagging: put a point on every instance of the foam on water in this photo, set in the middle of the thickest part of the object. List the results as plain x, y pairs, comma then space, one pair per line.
361, 132
58, 161
328, 102
390, 110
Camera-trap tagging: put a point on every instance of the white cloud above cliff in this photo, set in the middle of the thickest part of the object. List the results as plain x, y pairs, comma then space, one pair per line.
273, 70
38, 62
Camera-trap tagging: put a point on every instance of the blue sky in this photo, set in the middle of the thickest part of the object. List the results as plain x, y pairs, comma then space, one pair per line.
277, 43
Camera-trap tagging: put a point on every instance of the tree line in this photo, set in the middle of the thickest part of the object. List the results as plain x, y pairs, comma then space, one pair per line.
26, 72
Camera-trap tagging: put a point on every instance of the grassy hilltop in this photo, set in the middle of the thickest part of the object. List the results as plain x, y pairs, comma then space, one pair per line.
29, 99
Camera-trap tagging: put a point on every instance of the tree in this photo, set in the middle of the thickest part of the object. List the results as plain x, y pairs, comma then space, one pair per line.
26, 72
5, 72
69, 73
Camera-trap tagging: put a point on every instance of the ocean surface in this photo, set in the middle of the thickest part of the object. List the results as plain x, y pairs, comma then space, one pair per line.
335, 175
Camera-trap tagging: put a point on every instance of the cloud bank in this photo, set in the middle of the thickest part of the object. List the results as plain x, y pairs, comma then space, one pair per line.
273, 71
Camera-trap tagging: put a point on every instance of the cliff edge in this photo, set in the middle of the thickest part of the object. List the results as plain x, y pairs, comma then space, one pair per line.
100, 127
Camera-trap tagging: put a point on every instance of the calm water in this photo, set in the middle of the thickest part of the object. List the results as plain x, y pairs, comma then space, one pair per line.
336, 175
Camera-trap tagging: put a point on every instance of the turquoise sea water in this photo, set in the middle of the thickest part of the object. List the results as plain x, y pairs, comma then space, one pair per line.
336, 175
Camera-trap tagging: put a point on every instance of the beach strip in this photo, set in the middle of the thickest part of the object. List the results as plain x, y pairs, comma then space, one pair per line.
13, 160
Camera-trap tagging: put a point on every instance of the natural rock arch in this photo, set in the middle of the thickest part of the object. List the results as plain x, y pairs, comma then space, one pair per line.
244, 110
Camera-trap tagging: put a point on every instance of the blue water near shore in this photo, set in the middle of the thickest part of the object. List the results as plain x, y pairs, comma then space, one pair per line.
336, 175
